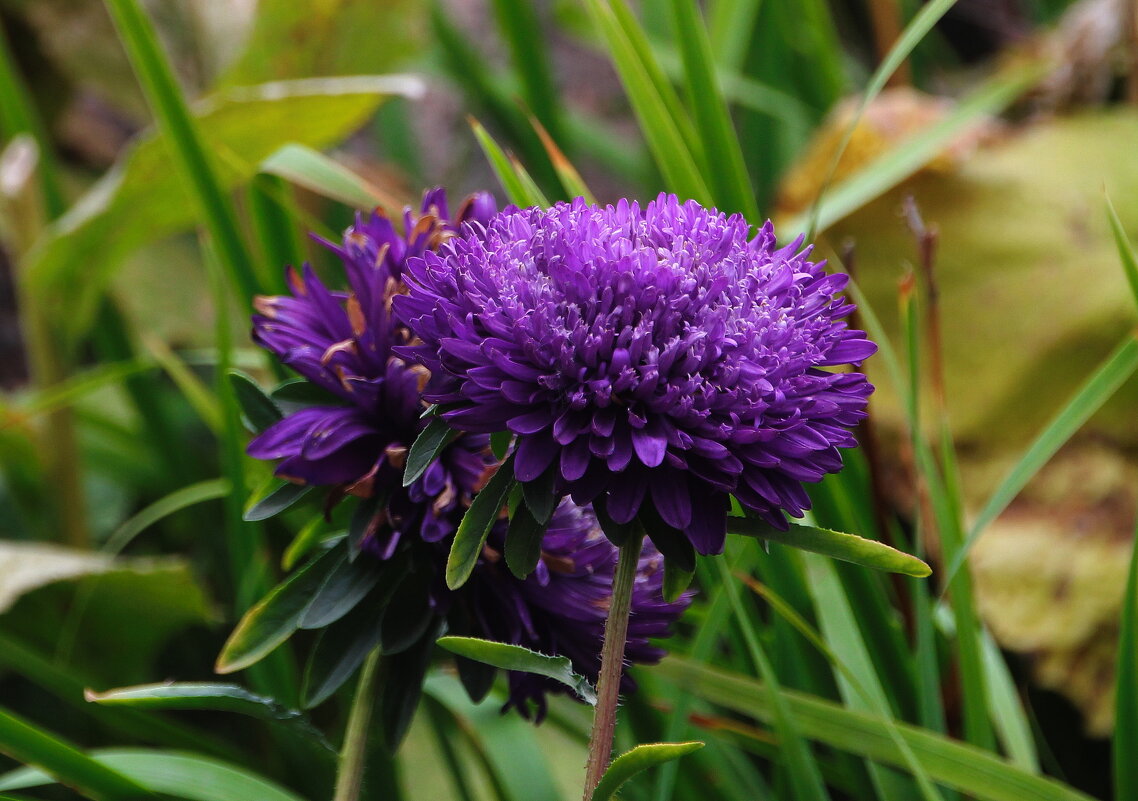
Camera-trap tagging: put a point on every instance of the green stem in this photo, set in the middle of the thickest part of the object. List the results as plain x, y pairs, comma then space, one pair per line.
612, 663
349, 776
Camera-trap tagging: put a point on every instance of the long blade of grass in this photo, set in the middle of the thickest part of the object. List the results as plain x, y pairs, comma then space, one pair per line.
914, 32
660, 120
519, 190
731, 27
1102, 384
909, 156
723, 153
1125, 743
1126, 252
974, 771
174, 120
25, 743
518, 22
570, 178
802, 768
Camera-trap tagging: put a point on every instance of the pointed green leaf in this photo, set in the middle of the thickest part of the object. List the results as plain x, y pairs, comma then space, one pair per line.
639, 759
518, 190
318, 173
283, 494
273, 620
1125, 250
523, 541
258, 411
514, 657
426, 448
476, 524
836, 544
348, 584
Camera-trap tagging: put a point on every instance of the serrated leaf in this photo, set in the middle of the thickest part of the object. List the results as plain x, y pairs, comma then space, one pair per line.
639, 759
273, 620
476, 524
523, 541
426, 448
836, 544
283, 495
515, 657
258, 411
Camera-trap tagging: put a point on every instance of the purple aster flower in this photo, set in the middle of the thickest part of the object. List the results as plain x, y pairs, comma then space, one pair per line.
562, 606
656, 355
357, 442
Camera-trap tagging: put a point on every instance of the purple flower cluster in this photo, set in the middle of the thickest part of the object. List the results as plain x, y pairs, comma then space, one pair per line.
657, 354
348, 343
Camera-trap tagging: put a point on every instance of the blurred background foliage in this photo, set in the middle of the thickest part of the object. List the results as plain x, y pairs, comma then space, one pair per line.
1004, 126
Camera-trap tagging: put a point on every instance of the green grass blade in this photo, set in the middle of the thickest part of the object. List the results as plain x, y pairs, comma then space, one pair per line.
273, 212
179, 499
1125, 743
518, 22
660, 120
1101, 385
906, 158
974, 771
174, 119
32, 746
723, 153
1008, 715
732, 23
805, 777
914, 32
1125, 250
517, 191
570, 178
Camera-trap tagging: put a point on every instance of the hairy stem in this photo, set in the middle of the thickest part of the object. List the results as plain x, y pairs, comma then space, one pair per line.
612, 663
350, 774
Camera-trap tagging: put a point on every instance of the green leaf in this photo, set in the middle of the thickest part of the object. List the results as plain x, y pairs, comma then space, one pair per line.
262, 506
339, 651
540, 498
348, 584
25, 743
519, 191
318, 173
172, 774
408, 614
1097, 389
639, 759
514, 657
273, 619
476, 524
202, 491
1125, 250
258, 410
836, 544
523, 541
974, 771
210, 696
677, 579
500, 443
665, 126
142, 199
426, 448
403, 686
1125, 744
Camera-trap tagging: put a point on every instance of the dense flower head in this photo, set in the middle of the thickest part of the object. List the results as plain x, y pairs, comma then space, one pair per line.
657, 353
356, 442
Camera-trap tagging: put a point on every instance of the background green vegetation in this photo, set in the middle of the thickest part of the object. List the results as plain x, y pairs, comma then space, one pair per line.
163, 164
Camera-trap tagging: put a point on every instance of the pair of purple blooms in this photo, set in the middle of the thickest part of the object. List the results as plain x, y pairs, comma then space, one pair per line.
642, 358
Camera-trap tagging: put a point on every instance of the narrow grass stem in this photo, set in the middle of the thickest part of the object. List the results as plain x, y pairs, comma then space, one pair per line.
350, 774
612, 663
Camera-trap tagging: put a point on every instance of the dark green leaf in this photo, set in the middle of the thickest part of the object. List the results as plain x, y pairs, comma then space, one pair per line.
426, 449
476, 524
540, 497
408, 614
1126, 693
284, 495
209, 696
348, 583
258, 411
676, 580
365, 521
836, 544
274, 619
342, 648
617, 533
514, 657
639, 759
500, 443
300, 392
523, 542
403, 685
